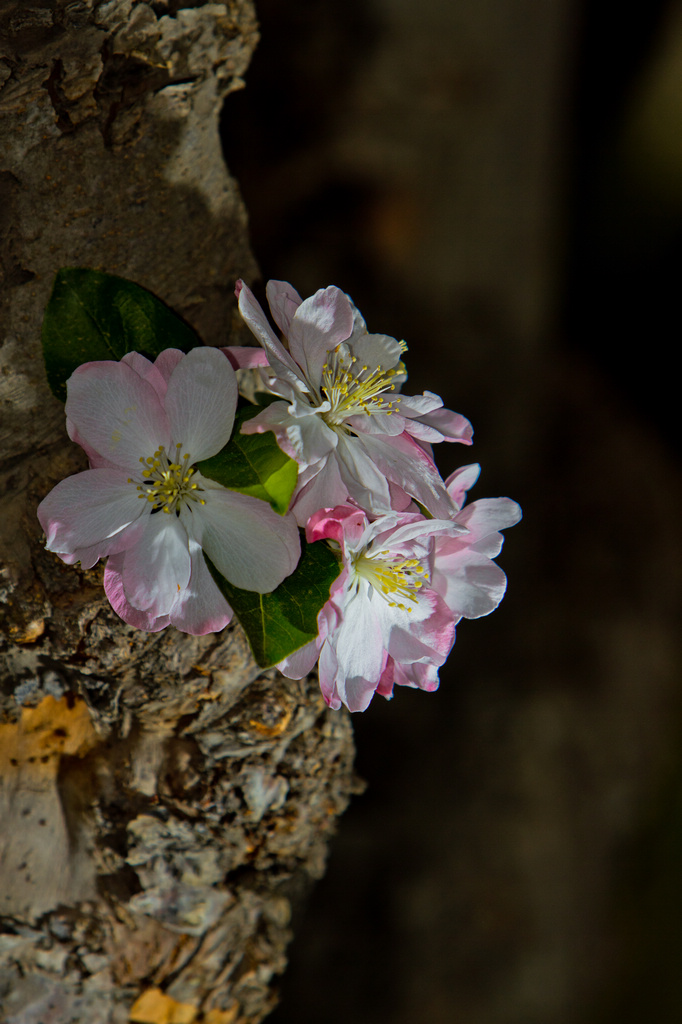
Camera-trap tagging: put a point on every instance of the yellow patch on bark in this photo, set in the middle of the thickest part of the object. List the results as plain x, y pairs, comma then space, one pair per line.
155, 1007
222, 1016
44, 734
29, 633
44, 851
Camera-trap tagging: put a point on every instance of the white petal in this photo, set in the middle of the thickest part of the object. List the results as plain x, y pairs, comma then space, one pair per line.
88, 509
358, 693
201, 607
201, 402
417, 533
157, 568
402, 460
359, 640
283, 301
278, 357
113, 587
300, 431
470, 584
116, 412
322, 489
248, 542
366, 484
484, 517
166, 362
301, 662
420, 405
377, 350
320, 323
96, 460
147, 371
377, 423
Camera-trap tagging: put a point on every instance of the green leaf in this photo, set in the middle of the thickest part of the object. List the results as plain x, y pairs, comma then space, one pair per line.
277, 624
93, 316
253, 464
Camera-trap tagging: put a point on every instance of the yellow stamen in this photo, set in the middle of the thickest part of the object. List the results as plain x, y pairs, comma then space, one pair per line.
350, 391
391, 576
168, 485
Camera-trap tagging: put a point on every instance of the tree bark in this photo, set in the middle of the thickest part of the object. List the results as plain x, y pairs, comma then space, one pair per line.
162, 800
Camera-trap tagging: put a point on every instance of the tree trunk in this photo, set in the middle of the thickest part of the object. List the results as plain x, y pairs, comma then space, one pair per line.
162, 800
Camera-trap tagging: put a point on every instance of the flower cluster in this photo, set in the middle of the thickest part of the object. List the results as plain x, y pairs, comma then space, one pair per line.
414, 562
413, 558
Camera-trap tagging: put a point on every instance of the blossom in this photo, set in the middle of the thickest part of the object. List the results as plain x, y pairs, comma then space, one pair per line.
405, 584
340, 415
145, 505
384, 623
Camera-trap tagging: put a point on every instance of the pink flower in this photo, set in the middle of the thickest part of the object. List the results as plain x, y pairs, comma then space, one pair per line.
341, 416
406, 582
145, 506
384, 623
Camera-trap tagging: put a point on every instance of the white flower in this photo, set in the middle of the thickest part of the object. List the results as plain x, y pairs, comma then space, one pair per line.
384, 622
405, 584
144, 504
342, 418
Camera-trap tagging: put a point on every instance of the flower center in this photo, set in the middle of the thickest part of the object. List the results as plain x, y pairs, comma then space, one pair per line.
393, 578
351, 389
168, 485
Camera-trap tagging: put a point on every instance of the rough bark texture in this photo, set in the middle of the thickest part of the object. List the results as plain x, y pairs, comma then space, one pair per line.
161, 800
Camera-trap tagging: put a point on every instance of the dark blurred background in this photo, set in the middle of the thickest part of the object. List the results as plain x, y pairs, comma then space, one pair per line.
500, 184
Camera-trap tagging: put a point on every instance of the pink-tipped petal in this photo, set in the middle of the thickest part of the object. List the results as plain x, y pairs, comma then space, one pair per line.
88, 509
113, 588
244, 357
201, 608
486, 516
121, 541
401, 460
327, 671
336, 524
438, 425
461, 481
